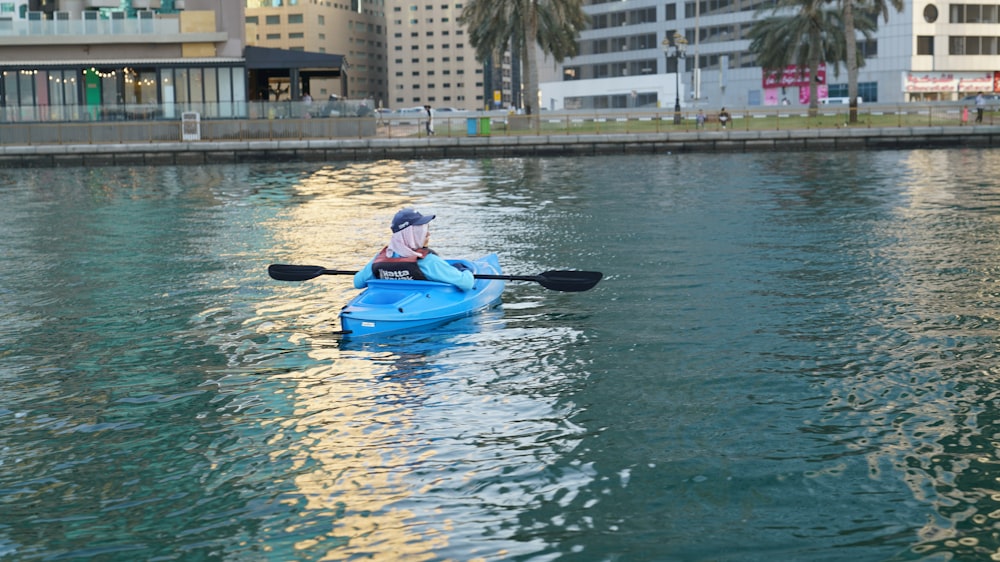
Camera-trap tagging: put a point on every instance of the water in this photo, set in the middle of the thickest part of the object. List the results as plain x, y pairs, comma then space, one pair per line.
791, 357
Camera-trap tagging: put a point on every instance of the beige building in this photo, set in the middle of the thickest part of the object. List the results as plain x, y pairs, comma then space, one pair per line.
430, 59
355, 29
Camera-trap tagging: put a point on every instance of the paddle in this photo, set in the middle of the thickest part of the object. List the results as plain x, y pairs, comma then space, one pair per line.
567, 281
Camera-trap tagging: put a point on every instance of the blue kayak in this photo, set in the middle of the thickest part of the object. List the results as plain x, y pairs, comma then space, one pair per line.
390, 306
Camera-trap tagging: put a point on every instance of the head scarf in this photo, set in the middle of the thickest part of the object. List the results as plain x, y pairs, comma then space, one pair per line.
405, 242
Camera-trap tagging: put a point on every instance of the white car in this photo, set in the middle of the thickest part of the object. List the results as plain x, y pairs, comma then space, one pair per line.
409, 115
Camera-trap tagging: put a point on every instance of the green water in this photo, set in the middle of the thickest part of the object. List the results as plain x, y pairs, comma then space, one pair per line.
791, 357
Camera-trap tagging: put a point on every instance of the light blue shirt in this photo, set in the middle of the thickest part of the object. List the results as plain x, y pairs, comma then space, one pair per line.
434, 269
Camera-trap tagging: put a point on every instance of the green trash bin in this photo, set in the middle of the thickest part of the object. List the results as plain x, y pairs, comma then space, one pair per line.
484, 126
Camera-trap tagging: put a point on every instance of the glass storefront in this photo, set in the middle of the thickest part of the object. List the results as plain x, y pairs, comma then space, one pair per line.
122, 92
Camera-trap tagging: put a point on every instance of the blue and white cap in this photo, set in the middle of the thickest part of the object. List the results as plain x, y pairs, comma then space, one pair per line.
409, 217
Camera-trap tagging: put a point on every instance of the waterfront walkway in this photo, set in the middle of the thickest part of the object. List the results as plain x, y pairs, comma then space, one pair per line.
369, 149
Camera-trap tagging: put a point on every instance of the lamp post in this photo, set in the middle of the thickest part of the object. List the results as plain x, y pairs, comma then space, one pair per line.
676, 51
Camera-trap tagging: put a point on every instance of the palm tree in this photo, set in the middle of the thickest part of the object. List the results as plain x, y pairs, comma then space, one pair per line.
553, 25
804, 33
870, 6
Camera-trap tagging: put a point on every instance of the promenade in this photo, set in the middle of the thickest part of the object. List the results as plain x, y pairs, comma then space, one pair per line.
370, 149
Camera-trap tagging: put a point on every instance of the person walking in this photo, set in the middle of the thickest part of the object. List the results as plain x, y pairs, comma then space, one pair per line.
430, 120
980, 106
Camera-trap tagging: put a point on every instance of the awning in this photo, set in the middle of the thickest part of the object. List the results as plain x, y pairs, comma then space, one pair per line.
272, 59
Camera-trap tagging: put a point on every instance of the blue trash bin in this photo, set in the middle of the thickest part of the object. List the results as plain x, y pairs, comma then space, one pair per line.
471, 126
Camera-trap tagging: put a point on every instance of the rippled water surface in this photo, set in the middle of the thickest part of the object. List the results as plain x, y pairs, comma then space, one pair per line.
791, 357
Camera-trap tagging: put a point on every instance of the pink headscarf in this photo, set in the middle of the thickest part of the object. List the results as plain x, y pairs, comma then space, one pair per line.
405, 242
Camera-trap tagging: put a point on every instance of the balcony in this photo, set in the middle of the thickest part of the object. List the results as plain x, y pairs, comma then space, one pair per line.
146, 4
101, 31
90, 4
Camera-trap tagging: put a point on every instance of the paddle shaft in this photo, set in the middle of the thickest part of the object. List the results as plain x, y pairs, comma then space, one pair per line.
570, 281
534, 278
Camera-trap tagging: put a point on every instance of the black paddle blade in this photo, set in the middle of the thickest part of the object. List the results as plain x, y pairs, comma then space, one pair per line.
569, 281
283, 272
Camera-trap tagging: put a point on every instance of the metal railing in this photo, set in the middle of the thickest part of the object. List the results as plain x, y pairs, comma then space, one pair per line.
172, 111
294, 120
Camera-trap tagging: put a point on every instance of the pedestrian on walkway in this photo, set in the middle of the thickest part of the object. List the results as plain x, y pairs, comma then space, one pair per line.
430, 120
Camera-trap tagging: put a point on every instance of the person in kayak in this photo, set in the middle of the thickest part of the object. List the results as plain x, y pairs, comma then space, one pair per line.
408, 257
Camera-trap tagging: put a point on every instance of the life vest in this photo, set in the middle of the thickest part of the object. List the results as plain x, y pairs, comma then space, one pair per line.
385, 267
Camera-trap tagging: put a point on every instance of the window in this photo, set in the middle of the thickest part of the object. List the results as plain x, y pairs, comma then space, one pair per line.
956, 45
253, 19
273, 36
273, 20
925, 45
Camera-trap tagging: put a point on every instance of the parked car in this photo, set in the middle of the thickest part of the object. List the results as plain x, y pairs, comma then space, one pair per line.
835, 101
409, 115
450, 110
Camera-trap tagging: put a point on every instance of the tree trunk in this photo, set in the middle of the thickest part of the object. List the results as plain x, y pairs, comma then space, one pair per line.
852, 60
531, 63
813, 87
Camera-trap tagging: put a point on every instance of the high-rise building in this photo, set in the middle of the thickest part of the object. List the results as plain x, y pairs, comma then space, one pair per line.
430, 59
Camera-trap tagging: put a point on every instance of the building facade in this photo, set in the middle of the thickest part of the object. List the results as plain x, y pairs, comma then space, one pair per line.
932, 50
430, 59
100, 59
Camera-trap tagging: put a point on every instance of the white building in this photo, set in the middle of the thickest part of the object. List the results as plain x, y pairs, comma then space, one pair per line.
933, 50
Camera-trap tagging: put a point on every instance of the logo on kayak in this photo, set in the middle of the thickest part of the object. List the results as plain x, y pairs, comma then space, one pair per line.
367, 324
389, 274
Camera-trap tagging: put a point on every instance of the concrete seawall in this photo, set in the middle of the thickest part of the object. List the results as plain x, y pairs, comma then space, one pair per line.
370, 149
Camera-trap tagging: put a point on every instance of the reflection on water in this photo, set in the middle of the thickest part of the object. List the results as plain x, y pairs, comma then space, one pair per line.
783, 362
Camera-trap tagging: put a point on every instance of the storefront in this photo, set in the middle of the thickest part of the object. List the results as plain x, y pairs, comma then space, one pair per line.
83, 91
948, 86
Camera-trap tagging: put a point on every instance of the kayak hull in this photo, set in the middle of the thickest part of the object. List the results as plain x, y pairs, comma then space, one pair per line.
392, 306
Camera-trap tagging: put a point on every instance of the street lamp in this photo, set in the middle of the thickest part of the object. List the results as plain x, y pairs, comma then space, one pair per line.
676, 51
